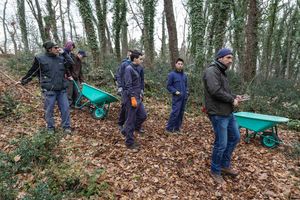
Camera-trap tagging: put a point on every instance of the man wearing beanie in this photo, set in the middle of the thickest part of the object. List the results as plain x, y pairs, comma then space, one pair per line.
219, 103
51, 67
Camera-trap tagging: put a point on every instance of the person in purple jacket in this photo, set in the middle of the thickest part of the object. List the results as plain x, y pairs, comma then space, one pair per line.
177, 86
132, 98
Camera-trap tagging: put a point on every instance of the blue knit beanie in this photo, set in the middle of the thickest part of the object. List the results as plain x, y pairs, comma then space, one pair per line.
223, 52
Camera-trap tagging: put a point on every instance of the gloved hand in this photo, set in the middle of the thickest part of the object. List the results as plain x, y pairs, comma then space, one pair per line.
120, 91
177, 93
133, 102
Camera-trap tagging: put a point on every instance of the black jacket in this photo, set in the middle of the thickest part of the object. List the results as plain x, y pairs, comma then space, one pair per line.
218, 97
51, 70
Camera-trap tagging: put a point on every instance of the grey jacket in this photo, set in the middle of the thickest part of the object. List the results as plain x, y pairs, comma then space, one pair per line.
218, 97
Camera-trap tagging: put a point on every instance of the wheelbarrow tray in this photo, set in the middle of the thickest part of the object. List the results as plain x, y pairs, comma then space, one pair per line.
97, 96
258, 122
263, 125
98, 100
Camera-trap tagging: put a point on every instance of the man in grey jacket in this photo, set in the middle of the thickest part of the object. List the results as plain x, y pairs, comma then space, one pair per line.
219, 103
51, 69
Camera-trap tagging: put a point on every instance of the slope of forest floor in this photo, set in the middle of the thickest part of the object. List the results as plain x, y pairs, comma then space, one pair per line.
167, 166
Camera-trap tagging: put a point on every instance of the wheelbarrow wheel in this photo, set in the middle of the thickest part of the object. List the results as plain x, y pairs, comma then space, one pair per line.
99, 113
269, 140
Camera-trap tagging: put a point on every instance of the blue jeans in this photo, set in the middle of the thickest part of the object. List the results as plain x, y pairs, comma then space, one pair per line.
50, 98
227, 136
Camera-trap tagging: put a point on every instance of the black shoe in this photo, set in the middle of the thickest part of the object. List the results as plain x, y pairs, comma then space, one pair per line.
68, 131
134, 146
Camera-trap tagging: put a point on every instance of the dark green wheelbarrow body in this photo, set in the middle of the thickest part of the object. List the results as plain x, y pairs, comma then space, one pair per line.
263, 125
98, 100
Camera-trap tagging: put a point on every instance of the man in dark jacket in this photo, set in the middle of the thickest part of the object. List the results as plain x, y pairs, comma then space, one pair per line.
76, 73
132, 98
219, 103
50, 68
177, 86
120, 81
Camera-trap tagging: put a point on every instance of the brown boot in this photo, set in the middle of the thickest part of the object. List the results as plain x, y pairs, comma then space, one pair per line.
217, 178
229, 172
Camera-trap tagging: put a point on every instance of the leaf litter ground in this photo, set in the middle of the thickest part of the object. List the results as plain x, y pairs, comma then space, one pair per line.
167, 166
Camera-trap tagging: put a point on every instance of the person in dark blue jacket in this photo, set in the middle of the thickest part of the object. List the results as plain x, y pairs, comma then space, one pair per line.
51, 68
132, 98
177, 86
120, 81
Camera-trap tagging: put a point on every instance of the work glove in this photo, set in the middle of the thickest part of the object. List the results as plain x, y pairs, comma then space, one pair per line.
133, 102
120, 91
177, 93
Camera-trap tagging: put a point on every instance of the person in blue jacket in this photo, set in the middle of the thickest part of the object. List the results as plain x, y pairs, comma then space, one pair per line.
177, 86
120, 80
132, 98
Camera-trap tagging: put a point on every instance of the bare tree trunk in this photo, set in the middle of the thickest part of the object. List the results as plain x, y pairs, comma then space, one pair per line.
249, 66
108, 41
61, 14
163, 49
38, 17
22, 22
13, 35
87, 18
4, 29
69, 18
52, 20
172, 31
267, 44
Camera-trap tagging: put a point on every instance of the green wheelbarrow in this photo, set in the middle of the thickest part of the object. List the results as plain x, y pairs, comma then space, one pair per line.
263, 125
97, 100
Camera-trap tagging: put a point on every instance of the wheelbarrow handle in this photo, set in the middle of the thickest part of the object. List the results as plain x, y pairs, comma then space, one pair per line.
76, 85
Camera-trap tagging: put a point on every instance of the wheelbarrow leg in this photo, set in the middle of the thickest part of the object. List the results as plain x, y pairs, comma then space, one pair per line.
249, 136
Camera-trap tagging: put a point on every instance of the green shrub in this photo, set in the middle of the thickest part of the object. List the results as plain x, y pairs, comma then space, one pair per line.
7, 104
42, 191
7, 178
294, 125
34, 150
20, 63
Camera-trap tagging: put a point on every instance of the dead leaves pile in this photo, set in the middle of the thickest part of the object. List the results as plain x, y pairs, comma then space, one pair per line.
166, 167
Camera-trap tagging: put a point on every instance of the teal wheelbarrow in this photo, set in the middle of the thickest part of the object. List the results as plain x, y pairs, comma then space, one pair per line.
97, 100
263, 125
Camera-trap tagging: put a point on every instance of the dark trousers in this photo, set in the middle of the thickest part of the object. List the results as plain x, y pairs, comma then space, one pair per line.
135, 118
122, 115
73, 92
176, 115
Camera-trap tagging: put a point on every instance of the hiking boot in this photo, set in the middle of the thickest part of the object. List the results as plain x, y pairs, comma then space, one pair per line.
68, 131
229, 172
217, 178
135, 146
140, 131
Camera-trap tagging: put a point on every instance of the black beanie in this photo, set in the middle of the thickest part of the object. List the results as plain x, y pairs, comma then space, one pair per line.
49, 44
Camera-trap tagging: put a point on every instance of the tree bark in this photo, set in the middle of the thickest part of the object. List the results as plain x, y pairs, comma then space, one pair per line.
52, 20
85, 12
63, 29
22, 22
172, 31
4, 28
251, 49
